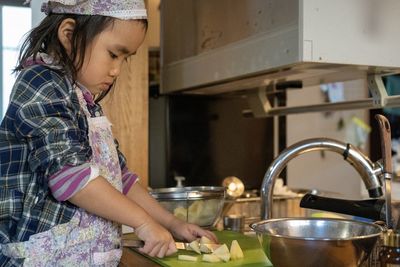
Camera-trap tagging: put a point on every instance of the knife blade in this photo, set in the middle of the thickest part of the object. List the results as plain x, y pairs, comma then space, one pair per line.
137, 243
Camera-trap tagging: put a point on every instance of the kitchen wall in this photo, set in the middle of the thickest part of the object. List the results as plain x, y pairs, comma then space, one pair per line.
325, 171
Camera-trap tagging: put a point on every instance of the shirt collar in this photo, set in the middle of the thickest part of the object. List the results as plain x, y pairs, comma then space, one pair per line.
42, 59
87, 95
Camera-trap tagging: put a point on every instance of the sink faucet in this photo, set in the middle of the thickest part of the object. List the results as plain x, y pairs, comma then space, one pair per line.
370, 172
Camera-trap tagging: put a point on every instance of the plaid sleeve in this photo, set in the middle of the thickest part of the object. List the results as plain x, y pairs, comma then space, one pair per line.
47, 118
121, 157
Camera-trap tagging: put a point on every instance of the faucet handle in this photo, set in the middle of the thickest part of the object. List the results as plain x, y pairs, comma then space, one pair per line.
386, 144
386, 149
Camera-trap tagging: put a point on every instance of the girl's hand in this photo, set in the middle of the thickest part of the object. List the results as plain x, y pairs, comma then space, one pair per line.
158, 242
186, 231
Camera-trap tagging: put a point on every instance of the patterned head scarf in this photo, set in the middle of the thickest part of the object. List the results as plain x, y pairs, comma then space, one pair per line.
121, 9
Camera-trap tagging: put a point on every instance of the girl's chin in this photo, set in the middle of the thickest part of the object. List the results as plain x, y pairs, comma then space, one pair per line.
103, 89
97, 91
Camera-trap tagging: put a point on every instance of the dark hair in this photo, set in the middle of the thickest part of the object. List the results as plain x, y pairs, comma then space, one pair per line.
44, 38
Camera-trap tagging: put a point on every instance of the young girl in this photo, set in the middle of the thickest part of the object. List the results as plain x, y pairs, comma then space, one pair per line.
64, 187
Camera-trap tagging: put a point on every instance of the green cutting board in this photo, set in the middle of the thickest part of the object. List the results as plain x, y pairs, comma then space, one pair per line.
253, 254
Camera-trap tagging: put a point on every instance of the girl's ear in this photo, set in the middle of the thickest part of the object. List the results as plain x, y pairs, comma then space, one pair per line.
65, 31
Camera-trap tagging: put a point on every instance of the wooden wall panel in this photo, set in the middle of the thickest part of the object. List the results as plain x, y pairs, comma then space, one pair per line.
126, 107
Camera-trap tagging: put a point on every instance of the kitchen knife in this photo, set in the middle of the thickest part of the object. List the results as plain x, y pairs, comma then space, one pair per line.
137, 243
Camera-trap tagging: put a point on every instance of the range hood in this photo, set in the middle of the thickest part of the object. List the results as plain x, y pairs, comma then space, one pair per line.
213, 47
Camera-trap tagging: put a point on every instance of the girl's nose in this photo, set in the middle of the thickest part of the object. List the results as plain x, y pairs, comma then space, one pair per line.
115, 70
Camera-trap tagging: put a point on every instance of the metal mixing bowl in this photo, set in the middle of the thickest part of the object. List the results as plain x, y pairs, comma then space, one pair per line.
201, 205
316, 241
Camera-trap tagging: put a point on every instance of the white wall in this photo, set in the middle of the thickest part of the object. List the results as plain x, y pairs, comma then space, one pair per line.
327, 171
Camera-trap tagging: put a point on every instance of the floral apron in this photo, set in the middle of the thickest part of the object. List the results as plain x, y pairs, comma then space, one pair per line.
86, 240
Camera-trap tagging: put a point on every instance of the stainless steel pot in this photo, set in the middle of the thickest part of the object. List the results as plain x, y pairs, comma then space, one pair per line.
292, 242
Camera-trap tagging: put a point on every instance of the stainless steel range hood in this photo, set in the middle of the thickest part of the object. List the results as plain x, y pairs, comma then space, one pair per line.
225, 46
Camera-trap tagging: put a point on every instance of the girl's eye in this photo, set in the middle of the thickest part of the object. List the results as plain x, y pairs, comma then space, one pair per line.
112, 55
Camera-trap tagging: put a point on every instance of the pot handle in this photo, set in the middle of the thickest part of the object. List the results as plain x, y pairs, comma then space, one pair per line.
382, 225
370, 208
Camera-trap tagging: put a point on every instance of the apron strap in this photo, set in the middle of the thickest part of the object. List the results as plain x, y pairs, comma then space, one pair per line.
82, 101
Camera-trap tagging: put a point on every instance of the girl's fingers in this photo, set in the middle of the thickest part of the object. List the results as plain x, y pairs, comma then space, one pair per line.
197, 231
161, 253
148, 248
171, 249
211, 236
155, 250
159, 250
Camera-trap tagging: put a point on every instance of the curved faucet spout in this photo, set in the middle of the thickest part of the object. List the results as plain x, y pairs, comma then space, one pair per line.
368, 171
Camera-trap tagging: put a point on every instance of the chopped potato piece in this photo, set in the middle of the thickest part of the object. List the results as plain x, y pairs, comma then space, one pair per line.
205, 240
223, 253
204, 244
195, 246
236, 251
210, 258
219, 252
225, 257
187, 258
223, 249
181, 213
204, 248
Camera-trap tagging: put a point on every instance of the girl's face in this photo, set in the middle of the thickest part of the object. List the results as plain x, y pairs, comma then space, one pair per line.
105, 55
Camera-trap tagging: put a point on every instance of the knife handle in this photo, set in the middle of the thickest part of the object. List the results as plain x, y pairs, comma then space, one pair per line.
132, 243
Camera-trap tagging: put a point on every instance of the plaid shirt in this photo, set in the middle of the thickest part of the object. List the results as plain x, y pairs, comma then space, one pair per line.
43, 130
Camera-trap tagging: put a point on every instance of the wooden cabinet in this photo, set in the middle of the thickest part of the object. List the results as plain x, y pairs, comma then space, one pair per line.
213, 47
